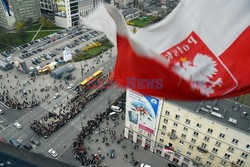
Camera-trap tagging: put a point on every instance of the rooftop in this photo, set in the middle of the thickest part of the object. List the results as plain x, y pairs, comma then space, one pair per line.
129, 11
229, 112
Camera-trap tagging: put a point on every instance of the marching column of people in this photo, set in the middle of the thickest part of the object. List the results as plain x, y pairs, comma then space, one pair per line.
54, 121
80, 150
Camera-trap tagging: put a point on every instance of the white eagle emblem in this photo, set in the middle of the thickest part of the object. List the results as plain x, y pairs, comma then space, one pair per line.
199, 73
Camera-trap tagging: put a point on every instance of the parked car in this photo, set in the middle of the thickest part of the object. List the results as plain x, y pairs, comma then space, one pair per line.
27, 146
18, 125
1, 112
144, 165
35, 141
53, 153
15, 143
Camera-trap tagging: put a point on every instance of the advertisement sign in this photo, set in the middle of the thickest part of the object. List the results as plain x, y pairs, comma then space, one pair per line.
142, 111
8, 11
59, 8
67, 54
7, 8
21, 65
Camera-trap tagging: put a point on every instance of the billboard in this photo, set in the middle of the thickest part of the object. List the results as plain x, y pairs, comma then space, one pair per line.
67, 54
21, 65
8, 11
7, 8
59, 8
142, 111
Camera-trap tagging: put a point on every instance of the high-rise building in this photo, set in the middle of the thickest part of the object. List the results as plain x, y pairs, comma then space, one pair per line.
64, 12
18, 10
86, 7
206, 133
47, 9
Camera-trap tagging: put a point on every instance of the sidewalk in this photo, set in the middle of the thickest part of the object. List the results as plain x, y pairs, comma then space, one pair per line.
140, 154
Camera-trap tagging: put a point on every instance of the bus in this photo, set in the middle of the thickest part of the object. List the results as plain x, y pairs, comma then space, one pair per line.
91, 79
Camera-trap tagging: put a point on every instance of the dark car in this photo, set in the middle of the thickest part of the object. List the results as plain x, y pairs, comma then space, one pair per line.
171, 165
15, 143
35, 141
34, 62
27, 146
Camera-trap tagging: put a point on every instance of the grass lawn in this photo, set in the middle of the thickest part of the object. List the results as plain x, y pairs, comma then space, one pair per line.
37, 26
139, 22
3, 49
14, 39
43, 34
33, 28
93, 52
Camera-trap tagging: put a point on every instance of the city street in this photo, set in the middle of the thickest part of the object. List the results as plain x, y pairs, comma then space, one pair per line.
69, 131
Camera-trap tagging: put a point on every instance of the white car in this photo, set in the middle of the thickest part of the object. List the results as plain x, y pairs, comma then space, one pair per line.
1, 111
145, 165
18, 125
53, 153
71, 86
56, 96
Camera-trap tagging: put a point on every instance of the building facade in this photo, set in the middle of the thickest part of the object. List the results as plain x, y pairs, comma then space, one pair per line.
13, 11
64, 12
86, 7
190, 134
47, 9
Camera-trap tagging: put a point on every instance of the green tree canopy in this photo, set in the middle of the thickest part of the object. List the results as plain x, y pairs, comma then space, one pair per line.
20, 27
42, 20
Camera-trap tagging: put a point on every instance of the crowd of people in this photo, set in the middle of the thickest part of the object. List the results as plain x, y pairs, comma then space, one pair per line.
67, 111
20, 96
14, 103
80, 149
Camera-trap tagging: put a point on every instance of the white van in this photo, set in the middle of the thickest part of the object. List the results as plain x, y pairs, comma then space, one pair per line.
113, 115
116, 108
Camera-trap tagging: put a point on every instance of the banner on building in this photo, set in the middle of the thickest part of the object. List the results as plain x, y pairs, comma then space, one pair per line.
21, 65
8, 11
59, 8
67, 54
142, 111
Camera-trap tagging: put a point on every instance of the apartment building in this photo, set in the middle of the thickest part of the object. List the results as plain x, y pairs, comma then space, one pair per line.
208, 133
18, 10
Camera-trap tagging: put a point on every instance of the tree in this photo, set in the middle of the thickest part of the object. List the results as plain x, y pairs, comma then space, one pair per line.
29, 21
42, 20
20, 27
49, 24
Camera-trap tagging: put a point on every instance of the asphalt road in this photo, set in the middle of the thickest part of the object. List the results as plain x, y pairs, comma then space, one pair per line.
66, 134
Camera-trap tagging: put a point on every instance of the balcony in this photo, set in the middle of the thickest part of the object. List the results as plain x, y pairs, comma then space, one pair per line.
172, 136
202, 149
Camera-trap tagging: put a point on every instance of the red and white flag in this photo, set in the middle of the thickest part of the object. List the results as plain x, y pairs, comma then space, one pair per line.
200, 51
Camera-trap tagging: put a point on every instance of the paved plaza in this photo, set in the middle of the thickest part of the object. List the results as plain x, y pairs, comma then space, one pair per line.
139, 154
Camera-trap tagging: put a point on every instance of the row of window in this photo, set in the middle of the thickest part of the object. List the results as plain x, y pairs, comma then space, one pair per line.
211, 157
196, 134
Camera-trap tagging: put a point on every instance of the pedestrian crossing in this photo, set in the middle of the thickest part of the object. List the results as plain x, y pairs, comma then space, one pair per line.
56, 102
3, 106
79, 122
